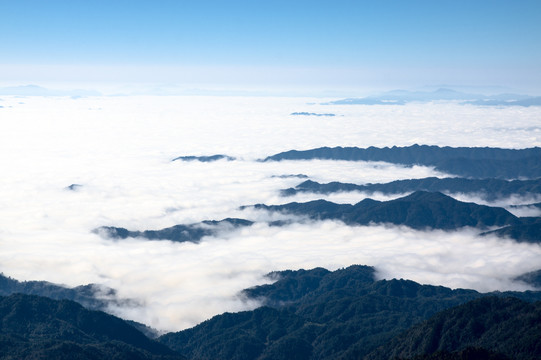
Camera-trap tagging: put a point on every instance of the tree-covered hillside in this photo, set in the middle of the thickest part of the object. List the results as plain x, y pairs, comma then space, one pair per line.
317, 314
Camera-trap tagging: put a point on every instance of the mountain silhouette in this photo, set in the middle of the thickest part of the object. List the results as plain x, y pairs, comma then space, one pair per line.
418, 210
488, 189
470, 162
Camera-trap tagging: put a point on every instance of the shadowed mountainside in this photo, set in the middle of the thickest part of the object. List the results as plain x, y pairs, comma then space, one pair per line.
488, 189
91, 296
34, 327
178, 233
533, 278
528, 230
471, 162
318, 314
507, 326
418, 210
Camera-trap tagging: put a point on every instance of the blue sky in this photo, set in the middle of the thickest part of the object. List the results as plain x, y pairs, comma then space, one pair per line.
324, 44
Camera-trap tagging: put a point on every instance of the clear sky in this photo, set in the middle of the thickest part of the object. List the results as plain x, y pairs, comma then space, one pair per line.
337, 44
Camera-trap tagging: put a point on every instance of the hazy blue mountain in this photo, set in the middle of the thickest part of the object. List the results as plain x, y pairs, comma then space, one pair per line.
468, 162
204, 158
532, 101
288, 176
438, 94
318, 314
418, 210
34, 90
179, 233
311, 114
488, 189
401, 97
366, 101
507, 326
34, 327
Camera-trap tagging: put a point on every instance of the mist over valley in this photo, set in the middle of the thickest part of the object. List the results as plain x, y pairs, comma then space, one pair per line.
122, 193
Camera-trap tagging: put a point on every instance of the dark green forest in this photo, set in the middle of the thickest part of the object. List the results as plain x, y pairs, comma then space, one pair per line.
346, 314
305, 314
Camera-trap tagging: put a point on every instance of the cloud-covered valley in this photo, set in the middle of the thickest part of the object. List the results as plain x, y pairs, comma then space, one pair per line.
119, 149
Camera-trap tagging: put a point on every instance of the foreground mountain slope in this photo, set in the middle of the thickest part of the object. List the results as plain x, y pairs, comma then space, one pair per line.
237, 336
504, 325
38, 327
472, 162
469, 353
418, 210
317, 314
90, 296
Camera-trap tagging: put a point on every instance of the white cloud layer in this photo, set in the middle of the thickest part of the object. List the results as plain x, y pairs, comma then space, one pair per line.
119, 149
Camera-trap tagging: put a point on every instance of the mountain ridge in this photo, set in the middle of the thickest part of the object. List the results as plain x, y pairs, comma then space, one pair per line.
178, 233
418, 210
471, 162
488, 189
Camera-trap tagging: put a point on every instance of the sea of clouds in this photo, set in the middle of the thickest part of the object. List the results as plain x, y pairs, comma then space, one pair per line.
119, 149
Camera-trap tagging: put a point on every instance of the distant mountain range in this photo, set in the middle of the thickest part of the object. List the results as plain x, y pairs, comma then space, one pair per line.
311, 114
470, 162
393, 97
532, 101
401, 97
488, 189
34, 90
